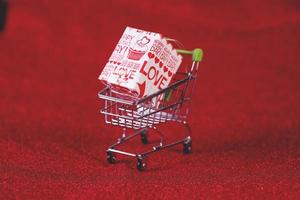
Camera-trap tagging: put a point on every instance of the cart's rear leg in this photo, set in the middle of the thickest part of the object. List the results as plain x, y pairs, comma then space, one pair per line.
144, 136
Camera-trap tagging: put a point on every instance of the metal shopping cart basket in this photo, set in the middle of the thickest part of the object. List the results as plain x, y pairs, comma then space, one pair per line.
141, 115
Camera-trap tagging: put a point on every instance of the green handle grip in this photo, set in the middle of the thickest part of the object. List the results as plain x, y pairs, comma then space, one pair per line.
197, 53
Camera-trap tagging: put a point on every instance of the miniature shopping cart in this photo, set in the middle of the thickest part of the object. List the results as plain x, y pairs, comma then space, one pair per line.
141, 115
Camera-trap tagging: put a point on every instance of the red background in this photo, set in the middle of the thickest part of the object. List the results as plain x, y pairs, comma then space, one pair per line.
245, 115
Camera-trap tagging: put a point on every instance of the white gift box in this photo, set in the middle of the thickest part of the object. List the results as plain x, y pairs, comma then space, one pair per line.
141, 64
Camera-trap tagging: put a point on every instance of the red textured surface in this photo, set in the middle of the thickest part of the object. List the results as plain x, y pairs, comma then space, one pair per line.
245, 116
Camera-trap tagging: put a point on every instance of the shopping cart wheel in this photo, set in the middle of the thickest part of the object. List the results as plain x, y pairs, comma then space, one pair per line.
144, 136
111, 158
141, 164
187, 146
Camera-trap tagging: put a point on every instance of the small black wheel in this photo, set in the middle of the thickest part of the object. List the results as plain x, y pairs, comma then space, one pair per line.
187, 147
111, 158
144, 136
141, 164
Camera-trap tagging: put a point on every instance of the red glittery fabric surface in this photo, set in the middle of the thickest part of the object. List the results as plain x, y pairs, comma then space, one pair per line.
245, 110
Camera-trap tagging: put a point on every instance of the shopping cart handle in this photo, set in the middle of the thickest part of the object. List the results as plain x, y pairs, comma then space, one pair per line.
196, 53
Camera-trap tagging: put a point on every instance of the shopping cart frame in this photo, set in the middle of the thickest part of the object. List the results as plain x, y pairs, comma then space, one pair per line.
141, 115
